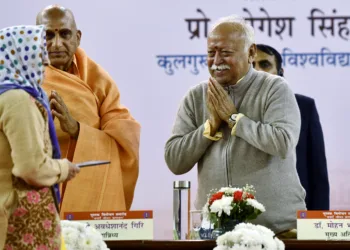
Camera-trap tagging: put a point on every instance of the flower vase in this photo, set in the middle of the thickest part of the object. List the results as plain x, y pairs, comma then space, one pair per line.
230, 225
219, 230
222, 228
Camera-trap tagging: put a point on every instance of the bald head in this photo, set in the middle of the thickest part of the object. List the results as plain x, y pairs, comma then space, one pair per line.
62, 35
55, 12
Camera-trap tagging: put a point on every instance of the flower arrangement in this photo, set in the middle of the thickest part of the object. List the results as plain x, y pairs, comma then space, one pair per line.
232, 204
79, 236
247, 236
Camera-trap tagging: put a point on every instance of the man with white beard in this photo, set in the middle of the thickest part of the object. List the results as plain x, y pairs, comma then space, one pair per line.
241, 127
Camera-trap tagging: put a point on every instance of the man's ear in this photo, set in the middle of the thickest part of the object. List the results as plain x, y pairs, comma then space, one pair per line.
252, 53
281, 72
79, 34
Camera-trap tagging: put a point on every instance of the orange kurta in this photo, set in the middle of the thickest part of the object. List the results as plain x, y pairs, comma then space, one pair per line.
107, 132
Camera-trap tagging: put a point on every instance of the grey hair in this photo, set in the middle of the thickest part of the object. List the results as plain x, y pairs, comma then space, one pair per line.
246, 29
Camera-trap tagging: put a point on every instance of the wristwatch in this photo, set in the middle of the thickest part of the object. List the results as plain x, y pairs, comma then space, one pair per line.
232, 120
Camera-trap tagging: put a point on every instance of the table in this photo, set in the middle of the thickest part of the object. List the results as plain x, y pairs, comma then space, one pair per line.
209, 245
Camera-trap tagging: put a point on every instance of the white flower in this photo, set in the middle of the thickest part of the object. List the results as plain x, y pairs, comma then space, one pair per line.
206, 224
243, 247
256, 204
79, 236
249, 188
229, 190
246, 225
224, 239
222, 205
70, 235
280, 244
264, 230
222, 248
249, 237
205, 211
87, 243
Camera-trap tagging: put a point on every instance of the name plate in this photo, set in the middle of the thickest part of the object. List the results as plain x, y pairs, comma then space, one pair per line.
117, 225
323, 225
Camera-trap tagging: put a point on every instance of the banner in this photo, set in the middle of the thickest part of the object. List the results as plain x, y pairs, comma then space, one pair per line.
155, 50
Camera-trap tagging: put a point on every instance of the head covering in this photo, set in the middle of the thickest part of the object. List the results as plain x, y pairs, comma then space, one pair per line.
22, 53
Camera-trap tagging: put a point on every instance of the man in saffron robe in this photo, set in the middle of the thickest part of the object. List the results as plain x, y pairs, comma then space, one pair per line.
91, 123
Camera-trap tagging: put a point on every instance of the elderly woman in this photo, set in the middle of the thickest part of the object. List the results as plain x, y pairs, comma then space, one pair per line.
29, 161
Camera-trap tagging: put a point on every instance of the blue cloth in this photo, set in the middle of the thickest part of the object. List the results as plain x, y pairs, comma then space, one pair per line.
42, 98
311, 156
